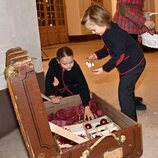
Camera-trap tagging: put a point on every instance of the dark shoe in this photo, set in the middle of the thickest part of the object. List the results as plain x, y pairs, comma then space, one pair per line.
139, 99
141, 107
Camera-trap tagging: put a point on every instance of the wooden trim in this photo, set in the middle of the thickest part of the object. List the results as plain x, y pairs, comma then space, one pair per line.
82, 38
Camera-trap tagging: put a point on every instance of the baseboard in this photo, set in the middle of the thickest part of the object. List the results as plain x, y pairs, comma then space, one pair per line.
82, 38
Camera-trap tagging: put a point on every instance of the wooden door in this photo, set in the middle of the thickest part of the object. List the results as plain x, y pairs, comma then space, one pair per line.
149, 5
52, 22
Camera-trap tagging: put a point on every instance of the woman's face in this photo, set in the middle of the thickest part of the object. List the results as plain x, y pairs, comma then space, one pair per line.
67, 62
96, 29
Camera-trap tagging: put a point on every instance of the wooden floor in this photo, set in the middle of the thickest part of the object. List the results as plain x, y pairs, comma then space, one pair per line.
105, 86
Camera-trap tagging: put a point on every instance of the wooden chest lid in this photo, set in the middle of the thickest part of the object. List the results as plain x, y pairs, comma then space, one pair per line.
28, 105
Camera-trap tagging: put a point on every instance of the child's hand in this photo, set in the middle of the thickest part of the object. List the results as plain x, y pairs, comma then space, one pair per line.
98, 71
92, 57
55, 99
88, 113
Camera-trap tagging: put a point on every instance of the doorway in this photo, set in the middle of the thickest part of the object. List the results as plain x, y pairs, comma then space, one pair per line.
52, 22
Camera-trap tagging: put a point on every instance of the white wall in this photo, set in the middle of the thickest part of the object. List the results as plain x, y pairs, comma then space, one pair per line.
19, 27
73, 16
83, 6
113, 2
74, 12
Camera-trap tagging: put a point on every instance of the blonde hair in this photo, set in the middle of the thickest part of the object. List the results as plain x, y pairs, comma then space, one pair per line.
98, 15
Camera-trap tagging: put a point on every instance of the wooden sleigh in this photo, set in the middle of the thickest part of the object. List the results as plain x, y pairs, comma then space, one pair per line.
37, 133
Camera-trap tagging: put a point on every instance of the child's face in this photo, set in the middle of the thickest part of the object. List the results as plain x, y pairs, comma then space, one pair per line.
67, 62
96, 29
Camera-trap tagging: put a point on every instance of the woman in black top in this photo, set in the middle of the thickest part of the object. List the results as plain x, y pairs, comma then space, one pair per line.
70, 78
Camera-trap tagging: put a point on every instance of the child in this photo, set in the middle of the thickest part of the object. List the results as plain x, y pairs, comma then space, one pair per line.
70, 77
126, 55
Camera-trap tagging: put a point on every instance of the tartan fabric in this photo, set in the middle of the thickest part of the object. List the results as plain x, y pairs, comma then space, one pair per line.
129, 16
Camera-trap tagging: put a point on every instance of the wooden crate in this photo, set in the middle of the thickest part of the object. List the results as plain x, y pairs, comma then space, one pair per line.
32, 114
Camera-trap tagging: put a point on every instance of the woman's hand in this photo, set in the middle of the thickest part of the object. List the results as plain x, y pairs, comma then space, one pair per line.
55, 99
98, 71
88, 113
149, 24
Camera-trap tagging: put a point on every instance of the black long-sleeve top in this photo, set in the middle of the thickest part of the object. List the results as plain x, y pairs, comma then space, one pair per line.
125, 52
69, 82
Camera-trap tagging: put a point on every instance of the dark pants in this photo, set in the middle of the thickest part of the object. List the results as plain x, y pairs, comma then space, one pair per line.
126, 91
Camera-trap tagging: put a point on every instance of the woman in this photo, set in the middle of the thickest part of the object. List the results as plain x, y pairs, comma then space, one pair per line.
129, 16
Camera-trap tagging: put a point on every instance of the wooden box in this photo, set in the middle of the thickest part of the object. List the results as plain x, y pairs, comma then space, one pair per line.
32, 114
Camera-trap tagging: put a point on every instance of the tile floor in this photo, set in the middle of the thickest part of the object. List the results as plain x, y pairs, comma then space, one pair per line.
11, 146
